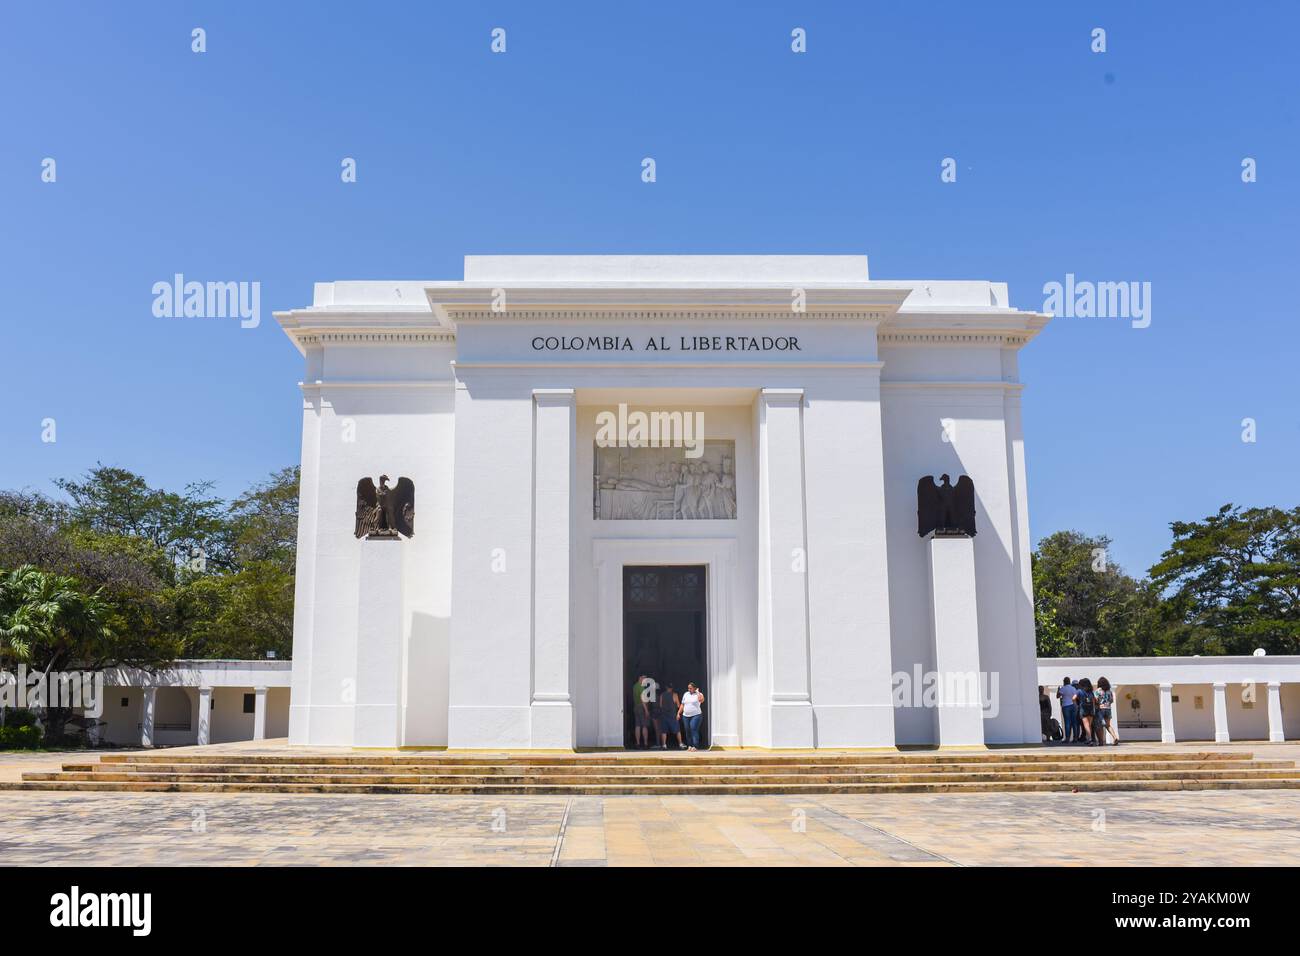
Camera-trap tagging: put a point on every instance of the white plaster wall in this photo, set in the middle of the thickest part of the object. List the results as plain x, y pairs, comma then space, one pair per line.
277, 712
1247, 711
491, 631
1191, 722
849, 611
122, 724
973, 399
395, 403
229, 722
1291, 711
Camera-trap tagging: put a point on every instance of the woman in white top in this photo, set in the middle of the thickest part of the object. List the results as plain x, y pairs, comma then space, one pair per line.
691, 712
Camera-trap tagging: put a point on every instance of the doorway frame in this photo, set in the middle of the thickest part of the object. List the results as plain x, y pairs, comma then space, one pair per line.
703, 599
718, 556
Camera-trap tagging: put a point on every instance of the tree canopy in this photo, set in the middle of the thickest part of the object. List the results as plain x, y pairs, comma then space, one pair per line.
1227, 584
168, 574
1232, 582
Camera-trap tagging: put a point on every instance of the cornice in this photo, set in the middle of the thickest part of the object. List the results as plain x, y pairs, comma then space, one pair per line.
317, 326
1007, 328
923, 385
376, 383
450, 305
376, 337
940, 337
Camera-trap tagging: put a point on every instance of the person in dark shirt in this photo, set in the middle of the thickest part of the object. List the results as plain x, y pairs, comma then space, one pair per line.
1087, 711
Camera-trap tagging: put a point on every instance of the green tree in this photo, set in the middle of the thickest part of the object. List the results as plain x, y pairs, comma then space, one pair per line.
264, 521
183, 525
1232, 582
1084, 604
248, 611
48, 622
242, 615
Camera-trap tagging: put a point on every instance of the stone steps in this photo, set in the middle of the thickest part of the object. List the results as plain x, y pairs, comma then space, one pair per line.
683, 780
680, 768
659, 773
735, 788
651, 772
718, 758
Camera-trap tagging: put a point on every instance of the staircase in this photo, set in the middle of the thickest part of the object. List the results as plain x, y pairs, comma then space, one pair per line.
655, 772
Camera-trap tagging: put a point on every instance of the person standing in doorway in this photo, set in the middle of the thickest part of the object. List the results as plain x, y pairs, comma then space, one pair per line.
670, 705
642, 720
691, 712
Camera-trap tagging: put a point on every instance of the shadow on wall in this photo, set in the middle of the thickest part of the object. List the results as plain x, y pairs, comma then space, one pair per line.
427, 681
911, 643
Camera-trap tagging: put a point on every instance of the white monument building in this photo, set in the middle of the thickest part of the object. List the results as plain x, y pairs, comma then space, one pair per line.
687, 468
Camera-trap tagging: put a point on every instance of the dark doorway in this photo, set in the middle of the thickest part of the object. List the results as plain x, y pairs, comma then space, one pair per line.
665, 638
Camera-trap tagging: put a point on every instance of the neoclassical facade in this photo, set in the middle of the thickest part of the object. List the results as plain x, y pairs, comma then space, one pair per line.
694, 468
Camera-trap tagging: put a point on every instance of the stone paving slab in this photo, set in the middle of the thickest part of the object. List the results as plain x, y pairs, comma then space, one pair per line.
1114, 829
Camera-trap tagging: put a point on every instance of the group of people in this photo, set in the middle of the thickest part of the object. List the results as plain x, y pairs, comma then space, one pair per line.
1087, 713
659, 712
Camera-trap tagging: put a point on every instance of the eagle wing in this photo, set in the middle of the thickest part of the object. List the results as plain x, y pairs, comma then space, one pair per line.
366, 500
400, 507
963, 504
928, 506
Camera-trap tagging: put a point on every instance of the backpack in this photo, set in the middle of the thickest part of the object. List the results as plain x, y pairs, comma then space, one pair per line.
1056, 733
1086, 703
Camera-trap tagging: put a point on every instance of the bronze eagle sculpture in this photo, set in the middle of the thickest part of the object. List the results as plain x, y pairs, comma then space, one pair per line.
945, 509
385, 512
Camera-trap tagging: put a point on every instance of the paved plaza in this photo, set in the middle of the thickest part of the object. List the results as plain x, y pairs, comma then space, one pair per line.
1188, 828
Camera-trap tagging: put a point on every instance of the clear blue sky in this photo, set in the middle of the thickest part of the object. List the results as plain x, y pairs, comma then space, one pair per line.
1116, 166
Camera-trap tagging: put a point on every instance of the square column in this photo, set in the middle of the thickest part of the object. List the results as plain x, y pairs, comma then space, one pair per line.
783, 557
850, 651
259, 713
1275, 732
954, 629
1167, 714
378, 675
148, 697
555, 454
1221, 713
203, 728
490, 680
